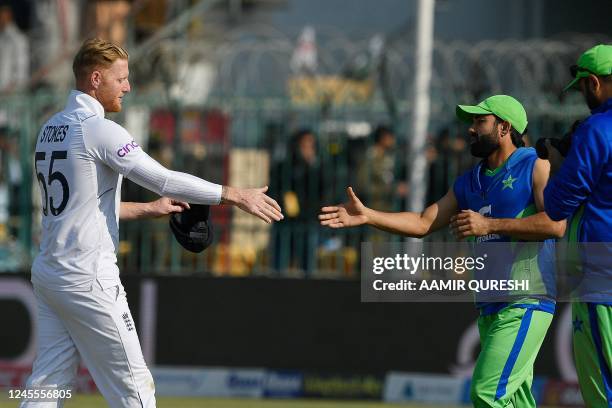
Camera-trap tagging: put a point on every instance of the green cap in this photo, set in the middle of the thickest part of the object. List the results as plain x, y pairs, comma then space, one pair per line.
503, 106
597, 61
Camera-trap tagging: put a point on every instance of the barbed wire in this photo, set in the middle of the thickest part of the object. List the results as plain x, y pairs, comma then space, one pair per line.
536, 69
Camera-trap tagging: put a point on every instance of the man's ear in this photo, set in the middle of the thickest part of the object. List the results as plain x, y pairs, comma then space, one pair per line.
96, 79
593, 83
505, 128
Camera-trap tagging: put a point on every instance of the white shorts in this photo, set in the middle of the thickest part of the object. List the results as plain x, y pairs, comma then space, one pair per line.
98, 326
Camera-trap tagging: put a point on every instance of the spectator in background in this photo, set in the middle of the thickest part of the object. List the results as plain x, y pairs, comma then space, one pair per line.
14, 53
377, 179
11, 177
447, 160
304, 58
298, 182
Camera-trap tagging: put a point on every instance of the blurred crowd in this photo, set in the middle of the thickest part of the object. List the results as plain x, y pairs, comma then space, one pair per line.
38, 38
308, 178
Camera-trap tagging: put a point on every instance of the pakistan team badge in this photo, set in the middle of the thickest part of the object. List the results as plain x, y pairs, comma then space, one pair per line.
508, 182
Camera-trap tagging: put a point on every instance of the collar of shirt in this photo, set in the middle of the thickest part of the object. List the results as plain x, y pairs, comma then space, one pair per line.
78, 99
606, 106
516, 155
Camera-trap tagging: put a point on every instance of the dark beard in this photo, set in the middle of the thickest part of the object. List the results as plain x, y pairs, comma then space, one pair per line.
484, 146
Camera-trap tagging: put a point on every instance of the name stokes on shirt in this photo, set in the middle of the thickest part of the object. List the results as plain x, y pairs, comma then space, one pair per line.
54, 133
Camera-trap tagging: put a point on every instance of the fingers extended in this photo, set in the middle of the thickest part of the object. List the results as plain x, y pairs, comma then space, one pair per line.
272, 202
330, 222
272, 213
263, 216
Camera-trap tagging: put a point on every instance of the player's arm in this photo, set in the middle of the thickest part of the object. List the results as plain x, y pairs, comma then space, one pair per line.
579, 173
151, 175
412, 224
112, 144
153, 209
534, 227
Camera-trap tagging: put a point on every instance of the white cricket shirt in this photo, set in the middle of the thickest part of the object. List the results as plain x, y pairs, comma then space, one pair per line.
80, 158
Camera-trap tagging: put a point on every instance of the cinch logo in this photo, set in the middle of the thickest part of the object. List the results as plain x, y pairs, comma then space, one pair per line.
127, 148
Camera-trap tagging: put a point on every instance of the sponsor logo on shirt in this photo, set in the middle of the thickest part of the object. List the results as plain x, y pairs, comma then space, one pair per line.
487, 211
127, 148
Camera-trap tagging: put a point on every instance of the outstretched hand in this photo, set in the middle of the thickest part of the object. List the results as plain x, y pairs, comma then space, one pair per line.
254, 201
350, 214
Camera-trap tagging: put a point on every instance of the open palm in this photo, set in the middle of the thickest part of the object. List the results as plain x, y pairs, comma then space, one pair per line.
350, 214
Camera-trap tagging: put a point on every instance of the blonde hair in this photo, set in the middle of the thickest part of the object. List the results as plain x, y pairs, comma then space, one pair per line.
96, 53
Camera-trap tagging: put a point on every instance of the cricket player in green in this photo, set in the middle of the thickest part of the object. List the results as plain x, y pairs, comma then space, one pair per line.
499, 200
582, 190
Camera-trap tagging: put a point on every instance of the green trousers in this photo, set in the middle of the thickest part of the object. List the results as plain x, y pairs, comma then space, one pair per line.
510, 341
592, 324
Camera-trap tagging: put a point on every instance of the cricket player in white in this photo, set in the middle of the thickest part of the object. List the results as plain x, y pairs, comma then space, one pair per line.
80, 160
